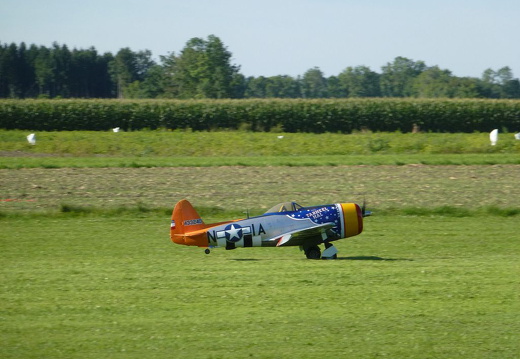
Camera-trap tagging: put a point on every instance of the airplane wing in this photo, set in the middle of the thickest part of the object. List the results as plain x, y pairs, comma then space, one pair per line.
299, 237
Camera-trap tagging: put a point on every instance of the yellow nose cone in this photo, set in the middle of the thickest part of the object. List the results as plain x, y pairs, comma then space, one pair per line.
352, 219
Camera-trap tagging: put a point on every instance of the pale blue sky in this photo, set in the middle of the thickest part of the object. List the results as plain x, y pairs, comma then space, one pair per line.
284, 37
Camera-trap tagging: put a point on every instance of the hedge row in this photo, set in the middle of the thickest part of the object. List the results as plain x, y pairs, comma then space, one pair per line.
334, 115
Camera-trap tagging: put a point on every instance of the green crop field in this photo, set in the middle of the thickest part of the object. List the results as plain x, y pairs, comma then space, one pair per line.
87, 269
289, 115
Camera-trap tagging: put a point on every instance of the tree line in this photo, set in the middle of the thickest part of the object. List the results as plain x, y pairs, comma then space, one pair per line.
203, 69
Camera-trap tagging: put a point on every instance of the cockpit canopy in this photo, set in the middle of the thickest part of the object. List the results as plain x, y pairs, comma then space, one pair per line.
285, 207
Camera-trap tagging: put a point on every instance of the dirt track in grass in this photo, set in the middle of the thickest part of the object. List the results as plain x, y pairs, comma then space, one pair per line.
236, 187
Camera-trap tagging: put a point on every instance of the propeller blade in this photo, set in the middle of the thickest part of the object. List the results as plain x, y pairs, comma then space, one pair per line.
364, 211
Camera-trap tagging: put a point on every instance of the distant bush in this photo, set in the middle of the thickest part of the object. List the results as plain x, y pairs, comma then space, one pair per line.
317, 116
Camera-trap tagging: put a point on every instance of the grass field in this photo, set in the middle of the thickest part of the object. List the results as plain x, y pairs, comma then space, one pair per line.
77, 149
408, 287
87, 269
251, 144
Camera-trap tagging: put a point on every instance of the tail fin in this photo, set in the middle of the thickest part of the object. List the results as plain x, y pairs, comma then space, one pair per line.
185, 217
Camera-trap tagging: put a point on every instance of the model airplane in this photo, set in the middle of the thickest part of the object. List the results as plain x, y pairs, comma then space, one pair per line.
286, 224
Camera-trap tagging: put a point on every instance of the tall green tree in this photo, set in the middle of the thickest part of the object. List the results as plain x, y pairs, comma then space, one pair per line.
433, 83
44, 71
152, 85
25, 68
465, 87
105, 86
82, 67
221, 70
238, 85
314, 84
282, 86
397, 77
4, 85
509, 86
256, 87
188, 71
11, 82
61, 61
490, 84
122, 69
360, 81
511, 89
203, 69
90, 77
335, 89
168, 84
129, 67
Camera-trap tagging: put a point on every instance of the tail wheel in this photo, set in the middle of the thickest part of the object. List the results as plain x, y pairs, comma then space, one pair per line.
313, 252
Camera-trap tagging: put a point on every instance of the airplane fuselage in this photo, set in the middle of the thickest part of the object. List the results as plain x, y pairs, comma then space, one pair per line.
306, 226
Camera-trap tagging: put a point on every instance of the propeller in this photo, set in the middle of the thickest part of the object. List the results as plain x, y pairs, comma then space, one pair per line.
364, 211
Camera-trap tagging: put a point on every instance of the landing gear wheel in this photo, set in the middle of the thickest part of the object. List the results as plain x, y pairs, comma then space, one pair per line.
207, 251
313, 252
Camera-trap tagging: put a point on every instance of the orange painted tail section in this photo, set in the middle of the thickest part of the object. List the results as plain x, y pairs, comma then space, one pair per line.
187, 227
185, 219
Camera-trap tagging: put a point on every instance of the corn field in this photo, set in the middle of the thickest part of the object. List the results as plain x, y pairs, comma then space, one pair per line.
313, 116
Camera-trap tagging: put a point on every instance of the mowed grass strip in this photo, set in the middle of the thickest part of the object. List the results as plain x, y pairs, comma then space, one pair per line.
241, 188
18, 161
408, 287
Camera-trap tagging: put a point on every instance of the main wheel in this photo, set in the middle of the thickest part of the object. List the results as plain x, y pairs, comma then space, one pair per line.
313, 252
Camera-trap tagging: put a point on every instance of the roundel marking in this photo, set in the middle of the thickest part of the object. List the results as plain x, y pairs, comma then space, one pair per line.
234, 232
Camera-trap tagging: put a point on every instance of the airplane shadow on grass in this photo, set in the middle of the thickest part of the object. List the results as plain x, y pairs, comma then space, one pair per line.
354, 258
372, 258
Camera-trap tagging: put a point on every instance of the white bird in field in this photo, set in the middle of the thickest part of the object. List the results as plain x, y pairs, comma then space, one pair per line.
517, 136
493, 137
116, 129
31, 139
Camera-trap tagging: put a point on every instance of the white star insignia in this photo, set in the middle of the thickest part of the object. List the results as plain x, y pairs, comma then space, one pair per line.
233, 233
